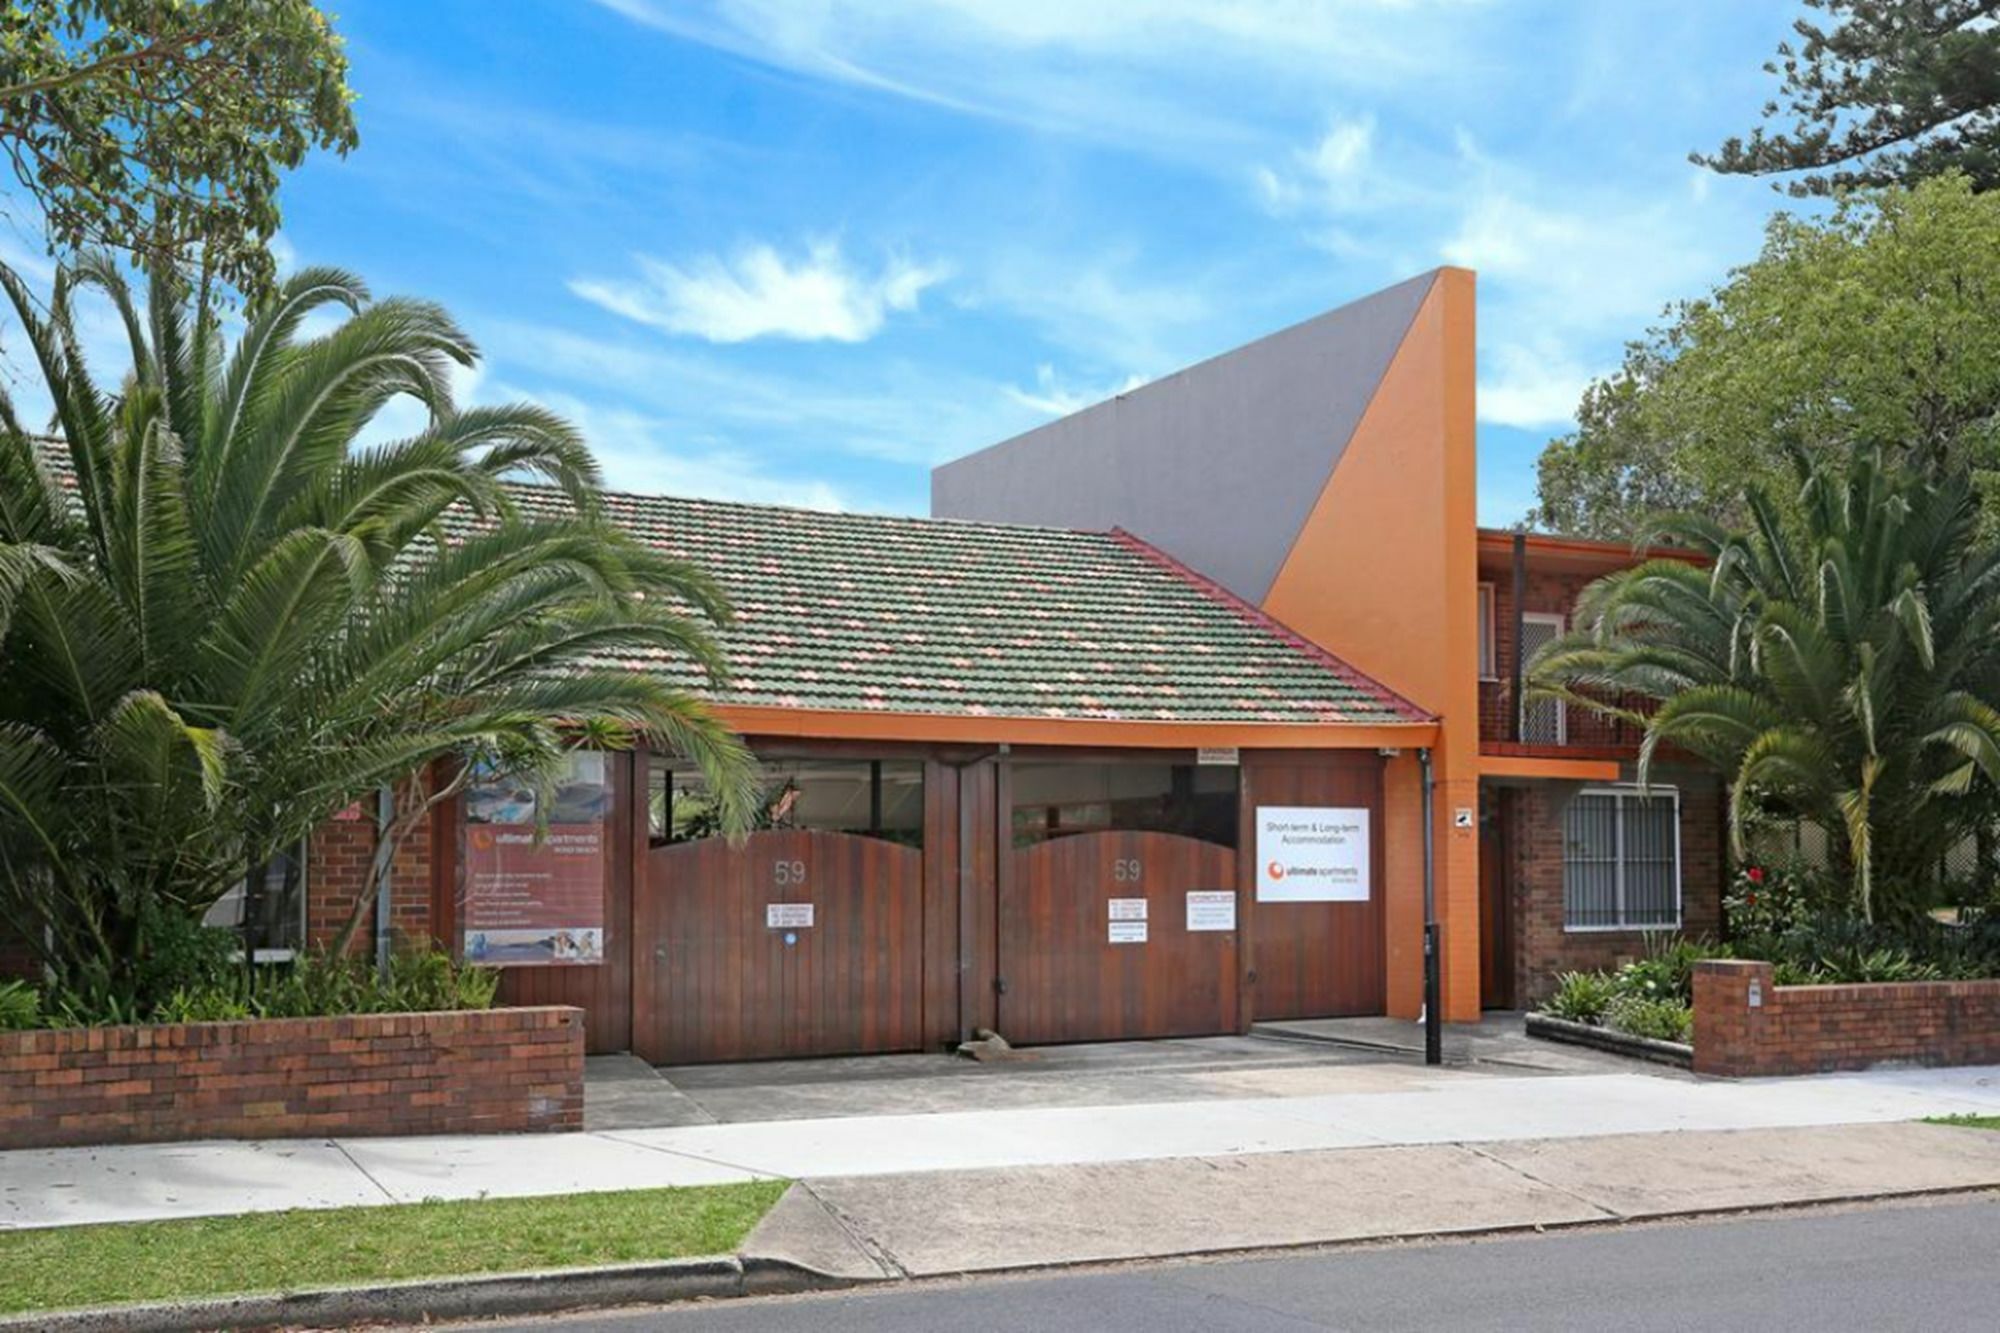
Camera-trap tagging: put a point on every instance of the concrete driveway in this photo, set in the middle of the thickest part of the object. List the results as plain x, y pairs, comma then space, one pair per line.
1326, 1057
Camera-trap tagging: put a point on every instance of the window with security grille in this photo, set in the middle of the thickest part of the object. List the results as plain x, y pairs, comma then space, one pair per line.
1543, 721
1622, 859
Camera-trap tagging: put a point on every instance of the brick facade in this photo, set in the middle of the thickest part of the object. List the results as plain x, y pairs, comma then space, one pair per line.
495, 1071
340, 858
1815, 1029
1532, 820
1550, 592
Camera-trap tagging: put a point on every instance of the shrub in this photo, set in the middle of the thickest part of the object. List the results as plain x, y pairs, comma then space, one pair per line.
311, 986
1667, 970
1580, 997
20, 1006
1662, 1020
1764, 901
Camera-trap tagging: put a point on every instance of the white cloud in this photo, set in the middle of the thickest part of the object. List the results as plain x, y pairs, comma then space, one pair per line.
1535, 386
1177, 78
1332, 173
760, 294
1055, 398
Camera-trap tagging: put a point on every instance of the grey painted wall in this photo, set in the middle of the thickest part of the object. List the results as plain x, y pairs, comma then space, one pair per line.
1219, 464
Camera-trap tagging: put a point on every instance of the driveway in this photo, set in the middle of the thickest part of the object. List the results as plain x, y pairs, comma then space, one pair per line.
1322, 1058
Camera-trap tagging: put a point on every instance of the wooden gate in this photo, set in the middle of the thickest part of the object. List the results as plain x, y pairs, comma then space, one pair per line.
726, 966
1061, 976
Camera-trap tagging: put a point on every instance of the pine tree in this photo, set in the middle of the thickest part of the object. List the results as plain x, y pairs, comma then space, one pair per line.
1885, 92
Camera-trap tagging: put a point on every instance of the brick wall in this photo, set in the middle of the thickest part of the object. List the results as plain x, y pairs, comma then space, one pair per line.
340, 858
1814, 1029
493, 1071
1534, 839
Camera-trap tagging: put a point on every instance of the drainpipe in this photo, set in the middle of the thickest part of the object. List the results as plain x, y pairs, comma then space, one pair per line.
385, 820
1433, 990
1520, 600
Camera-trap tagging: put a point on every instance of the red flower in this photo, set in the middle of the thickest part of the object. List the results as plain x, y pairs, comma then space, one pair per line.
1750, 900
1756, 874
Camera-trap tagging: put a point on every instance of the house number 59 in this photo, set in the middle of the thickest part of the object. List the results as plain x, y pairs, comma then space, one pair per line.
1126, 870
790, 872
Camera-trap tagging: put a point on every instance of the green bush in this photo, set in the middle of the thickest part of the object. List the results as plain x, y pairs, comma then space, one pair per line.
1662, 1020
1580, 997
1667, 970
20, 1006
311, 986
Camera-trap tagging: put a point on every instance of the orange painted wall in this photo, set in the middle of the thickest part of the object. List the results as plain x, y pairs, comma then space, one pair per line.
1385, 573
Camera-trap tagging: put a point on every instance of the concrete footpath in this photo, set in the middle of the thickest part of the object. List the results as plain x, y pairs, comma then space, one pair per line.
1461, 1114
934, 1224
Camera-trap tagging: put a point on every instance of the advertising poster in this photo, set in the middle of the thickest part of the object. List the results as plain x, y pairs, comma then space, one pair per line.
1312, 854
529, 901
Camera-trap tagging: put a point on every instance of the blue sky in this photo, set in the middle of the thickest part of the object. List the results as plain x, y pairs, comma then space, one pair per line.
802, 250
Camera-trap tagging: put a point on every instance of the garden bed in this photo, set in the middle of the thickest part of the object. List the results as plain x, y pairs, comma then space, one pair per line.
1550, 1028
493, 1071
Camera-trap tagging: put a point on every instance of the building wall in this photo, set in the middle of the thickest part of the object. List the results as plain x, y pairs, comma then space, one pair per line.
1546, 591
340, 859
1532, 816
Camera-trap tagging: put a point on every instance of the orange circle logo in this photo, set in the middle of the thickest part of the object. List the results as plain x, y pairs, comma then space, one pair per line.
1274, 870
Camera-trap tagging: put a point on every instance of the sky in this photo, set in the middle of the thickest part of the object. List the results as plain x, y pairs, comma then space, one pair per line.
802, 251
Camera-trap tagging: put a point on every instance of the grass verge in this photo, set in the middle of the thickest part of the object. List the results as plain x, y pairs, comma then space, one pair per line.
66, 1267
1966, 1121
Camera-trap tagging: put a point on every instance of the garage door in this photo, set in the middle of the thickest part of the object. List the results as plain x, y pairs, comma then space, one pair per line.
1095, 941
796, 942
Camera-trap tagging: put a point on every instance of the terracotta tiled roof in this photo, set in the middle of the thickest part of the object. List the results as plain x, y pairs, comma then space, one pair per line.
909, 615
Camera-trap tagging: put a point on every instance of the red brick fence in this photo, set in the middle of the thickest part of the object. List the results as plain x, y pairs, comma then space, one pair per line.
1745, 1025
490, 1071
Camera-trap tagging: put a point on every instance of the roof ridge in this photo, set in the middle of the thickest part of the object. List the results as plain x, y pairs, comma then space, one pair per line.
1352, 674
808, 511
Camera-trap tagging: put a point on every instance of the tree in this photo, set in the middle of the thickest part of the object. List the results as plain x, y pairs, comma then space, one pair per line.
1876, 325
158, 128
222, 620
1836, 667
1890, 92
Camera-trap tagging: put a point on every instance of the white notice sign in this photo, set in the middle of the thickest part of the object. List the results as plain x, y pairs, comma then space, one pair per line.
1211, 909
1312, 854
787, 916
1128, 932
1128, 909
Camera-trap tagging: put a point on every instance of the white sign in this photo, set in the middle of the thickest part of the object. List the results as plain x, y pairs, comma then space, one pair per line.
1211, 909
1217, 754
786, 916
1312, 854
1128, 909
1462, 817
1128, 932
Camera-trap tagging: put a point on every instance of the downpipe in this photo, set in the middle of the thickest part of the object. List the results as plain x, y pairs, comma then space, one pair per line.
1433, 988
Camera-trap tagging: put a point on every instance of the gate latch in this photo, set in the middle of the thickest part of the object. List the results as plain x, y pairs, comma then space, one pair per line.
999, 985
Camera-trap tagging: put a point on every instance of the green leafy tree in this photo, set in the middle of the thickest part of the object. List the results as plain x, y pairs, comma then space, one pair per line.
1876, 325
159, 127
222, 620
1888, 92
1837, 666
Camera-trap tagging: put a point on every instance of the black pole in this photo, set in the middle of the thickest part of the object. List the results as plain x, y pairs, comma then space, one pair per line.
1514, 663
1433, 990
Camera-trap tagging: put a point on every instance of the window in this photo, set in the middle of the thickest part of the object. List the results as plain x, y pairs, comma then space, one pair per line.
1622, 859
874, 798
1057, 799
1543, 721
268, 906
1489, 655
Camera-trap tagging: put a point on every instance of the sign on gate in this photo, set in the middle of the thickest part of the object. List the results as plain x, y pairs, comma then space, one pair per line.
1128, 909
787, 916
1211, 909
1312, 854
1127, 932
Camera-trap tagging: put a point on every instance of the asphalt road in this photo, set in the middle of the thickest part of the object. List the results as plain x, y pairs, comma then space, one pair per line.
1912, 1266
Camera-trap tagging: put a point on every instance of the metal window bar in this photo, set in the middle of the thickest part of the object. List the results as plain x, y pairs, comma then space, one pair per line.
1621, 860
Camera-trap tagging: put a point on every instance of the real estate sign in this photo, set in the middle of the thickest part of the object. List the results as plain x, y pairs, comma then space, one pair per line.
529, 899
1312, 854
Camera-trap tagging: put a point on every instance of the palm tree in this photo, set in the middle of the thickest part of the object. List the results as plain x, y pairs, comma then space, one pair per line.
1838, 667
222, 619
